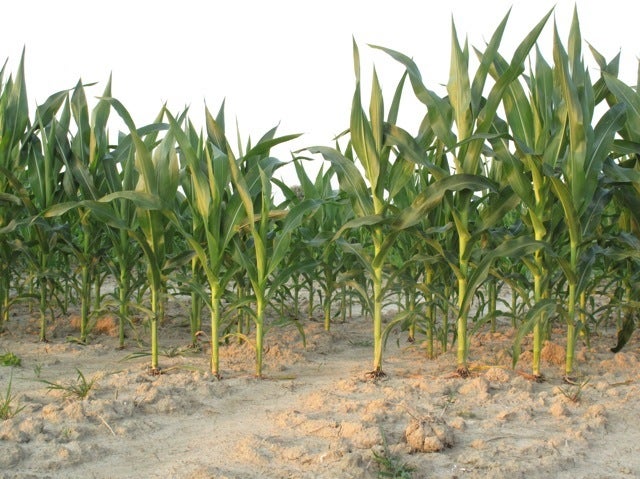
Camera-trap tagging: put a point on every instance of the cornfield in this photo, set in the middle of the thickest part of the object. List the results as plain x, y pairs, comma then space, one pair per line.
514, 203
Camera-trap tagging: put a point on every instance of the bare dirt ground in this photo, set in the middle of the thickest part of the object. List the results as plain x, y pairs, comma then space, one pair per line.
315, 415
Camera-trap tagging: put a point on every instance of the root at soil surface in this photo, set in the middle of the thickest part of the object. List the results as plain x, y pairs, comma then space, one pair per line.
537, 378
463, 372
375, 374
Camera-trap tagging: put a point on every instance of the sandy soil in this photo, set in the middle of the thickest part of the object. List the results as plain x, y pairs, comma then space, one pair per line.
315, 415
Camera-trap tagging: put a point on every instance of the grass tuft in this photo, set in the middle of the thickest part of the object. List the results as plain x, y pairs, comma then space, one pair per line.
391, 465
8, 404
78, 390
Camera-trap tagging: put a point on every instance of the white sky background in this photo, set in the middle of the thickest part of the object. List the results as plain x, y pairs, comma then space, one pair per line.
277, 62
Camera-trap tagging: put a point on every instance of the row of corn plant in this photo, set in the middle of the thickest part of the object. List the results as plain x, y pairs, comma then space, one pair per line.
511, 180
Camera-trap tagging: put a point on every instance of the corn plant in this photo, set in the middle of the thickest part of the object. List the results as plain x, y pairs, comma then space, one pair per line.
538, 132
579, 188
623, 176
511, 180
86, 150
319, 260
14, 121
267, 232
38, 189
386, 177
474, 119
113, 174
217, 209
155, 190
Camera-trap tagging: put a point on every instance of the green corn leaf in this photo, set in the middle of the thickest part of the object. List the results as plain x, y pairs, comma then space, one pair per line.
240, 185
385, 248
392, 117
630, 198
585, 268
16, 112
601, 92
458, 86
624, 147
411, 150
518, 179
9, 198
144, 163
628, 327
610, 123
438, 110
625, 94
575, 46
103, 212
572, 219
10, 227
517, 108
99, 145
542, 309
215, 128
141, 199
486, 60
433, 194
83, 177
291, 222
80, 112
359, 222
165, 163
358, 251
486, 116
202, 189
620, 174
591, 219
400, 175
575, 169
264, 146
350, 179
567, 270
362, 138
502, 203
47, 110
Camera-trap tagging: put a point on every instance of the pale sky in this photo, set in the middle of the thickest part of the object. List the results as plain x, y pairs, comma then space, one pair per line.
278, 61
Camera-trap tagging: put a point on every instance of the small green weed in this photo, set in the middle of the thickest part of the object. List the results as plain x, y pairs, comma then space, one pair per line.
10, 359
574, 392
390, 465
8, 404
78, 390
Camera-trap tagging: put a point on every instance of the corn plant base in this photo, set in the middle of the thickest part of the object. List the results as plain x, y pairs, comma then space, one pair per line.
375, 375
